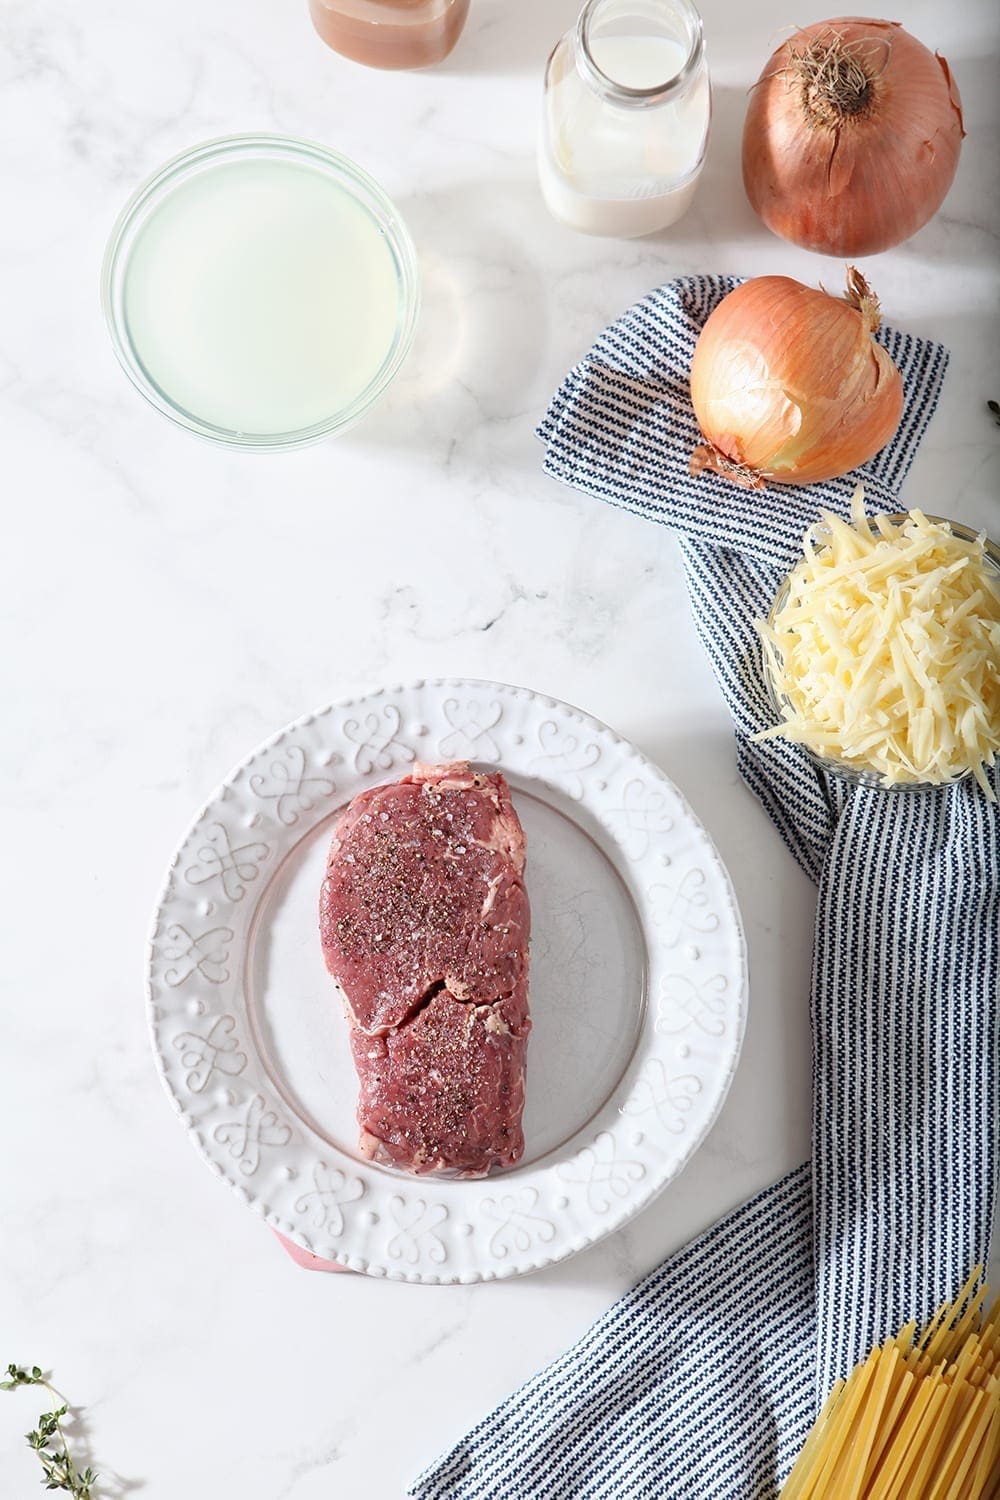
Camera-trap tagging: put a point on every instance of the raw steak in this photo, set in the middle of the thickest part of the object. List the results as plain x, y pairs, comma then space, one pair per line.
424, 922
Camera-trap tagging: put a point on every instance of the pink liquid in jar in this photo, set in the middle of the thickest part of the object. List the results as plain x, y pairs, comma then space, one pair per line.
390, 33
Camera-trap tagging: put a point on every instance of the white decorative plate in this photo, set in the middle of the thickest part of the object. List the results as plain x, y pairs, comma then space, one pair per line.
638, 987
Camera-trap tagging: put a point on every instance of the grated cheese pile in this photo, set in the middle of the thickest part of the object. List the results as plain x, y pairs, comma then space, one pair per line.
885, 653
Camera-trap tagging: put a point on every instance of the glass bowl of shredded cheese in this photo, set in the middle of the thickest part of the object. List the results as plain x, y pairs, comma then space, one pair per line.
882, 650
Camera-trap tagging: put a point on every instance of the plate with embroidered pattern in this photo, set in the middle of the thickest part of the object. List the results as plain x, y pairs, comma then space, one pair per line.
637, 982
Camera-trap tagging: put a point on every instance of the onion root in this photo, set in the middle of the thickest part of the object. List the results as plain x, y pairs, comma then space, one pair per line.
708, 457
836, 78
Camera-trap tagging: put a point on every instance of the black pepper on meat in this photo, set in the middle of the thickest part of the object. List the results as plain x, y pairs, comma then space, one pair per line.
424, 923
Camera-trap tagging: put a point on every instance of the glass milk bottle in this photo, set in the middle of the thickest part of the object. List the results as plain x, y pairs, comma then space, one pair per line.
626, 117
390, 33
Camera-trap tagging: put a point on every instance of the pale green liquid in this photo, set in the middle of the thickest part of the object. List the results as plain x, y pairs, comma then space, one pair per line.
261, 297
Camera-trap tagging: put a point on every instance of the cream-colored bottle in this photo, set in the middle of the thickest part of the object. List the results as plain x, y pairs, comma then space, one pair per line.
626, 117
390, 33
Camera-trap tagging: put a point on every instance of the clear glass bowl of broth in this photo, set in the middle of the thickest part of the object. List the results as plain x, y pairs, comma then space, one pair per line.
261, 291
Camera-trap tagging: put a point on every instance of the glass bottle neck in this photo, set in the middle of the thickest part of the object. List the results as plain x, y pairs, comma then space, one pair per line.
638, 52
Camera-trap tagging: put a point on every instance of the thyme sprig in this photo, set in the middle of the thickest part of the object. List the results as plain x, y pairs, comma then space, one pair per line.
48, 1440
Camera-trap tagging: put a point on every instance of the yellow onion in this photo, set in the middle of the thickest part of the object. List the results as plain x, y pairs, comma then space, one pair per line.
852, 137
789, 384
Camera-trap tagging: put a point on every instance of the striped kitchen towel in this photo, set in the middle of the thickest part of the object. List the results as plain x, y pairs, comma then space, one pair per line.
703, 1381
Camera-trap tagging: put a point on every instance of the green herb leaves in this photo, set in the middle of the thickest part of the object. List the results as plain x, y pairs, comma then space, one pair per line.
47, 1439
16, 1376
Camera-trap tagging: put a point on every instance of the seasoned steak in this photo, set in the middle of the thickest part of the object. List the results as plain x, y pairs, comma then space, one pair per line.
424, 923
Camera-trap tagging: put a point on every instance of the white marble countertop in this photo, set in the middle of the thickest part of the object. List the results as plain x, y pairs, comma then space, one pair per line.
168, 605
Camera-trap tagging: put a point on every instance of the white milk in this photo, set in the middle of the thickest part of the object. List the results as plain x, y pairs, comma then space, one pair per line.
638, 62
619, 169
261, 297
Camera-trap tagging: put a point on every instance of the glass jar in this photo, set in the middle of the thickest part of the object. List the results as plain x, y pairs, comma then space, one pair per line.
390, 33
626, 117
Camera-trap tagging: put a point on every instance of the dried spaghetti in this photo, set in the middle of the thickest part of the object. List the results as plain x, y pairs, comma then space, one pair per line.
919, 1420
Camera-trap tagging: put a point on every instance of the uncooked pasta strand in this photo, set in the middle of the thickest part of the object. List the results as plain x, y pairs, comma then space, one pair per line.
919, 1418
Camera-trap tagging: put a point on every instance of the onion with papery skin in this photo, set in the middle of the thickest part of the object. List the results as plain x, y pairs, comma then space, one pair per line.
852, 137
789, 384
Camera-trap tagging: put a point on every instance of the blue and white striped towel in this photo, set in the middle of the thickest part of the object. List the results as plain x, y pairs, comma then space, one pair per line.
702, 1382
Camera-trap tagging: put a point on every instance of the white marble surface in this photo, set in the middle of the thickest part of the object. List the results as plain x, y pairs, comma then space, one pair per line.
167, 605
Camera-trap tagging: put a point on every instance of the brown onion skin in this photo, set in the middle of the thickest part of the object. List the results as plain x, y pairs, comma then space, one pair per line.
869, 183
842, 335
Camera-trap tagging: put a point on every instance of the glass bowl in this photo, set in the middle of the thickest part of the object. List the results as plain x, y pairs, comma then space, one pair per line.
230, 243
849, 771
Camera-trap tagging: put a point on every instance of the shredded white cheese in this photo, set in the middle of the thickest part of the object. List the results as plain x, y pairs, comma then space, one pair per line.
885, 652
